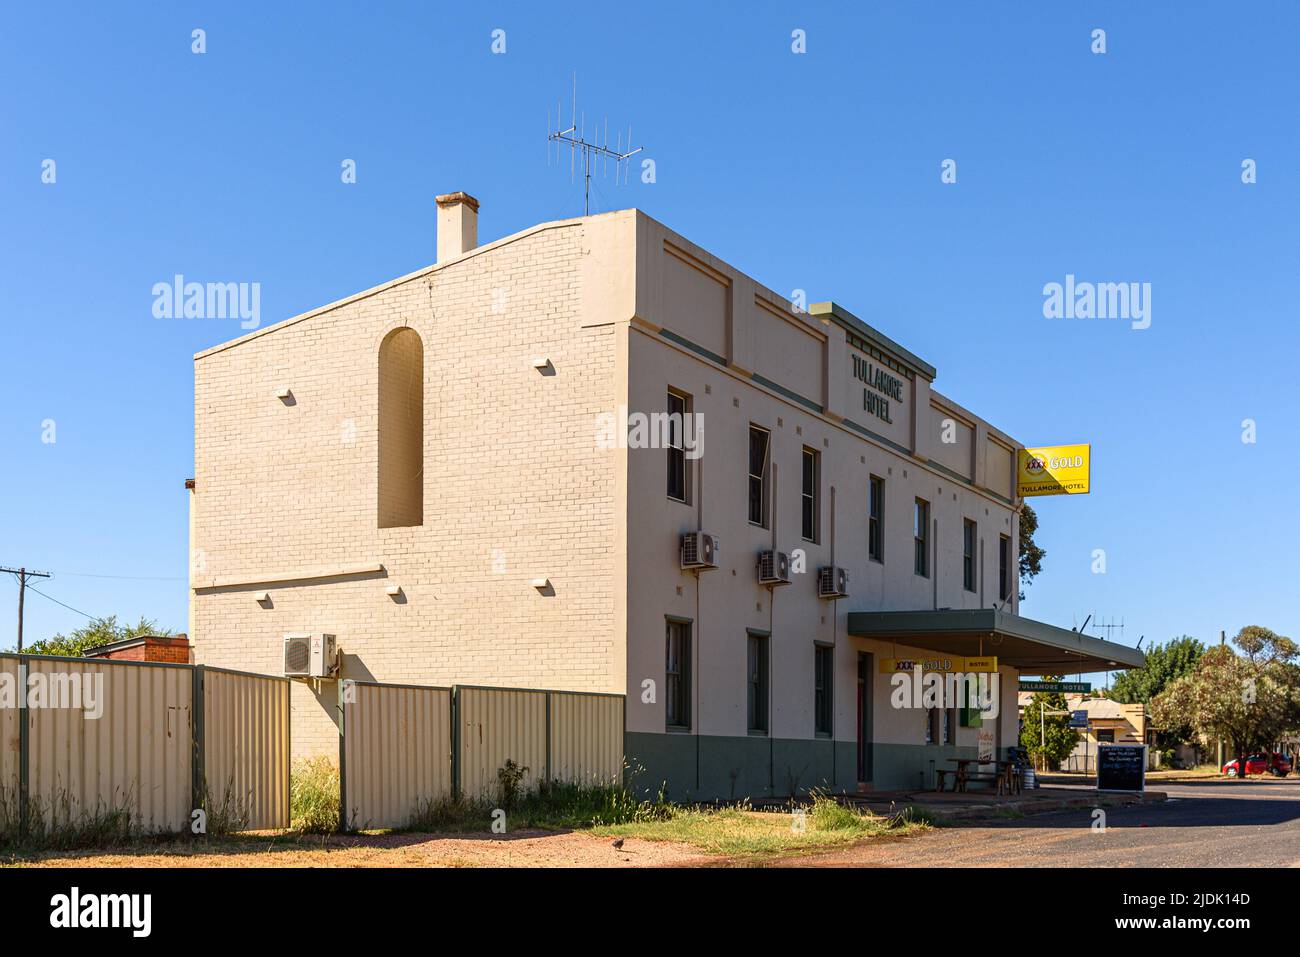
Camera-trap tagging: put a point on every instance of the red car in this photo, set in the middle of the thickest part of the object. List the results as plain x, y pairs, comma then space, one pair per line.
1260, 763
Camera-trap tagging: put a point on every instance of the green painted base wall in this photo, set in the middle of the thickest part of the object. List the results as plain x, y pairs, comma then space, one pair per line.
711, 767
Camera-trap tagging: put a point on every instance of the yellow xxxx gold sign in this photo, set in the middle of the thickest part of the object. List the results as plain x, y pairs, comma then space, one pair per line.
1053, 470
942, 664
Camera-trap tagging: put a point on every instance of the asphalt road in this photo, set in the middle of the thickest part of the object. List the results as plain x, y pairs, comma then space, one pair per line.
1204, 824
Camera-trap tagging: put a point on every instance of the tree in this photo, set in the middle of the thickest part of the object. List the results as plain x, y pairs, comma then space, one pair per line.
1045, 735
100, 631
1031, 556
1165, 664
1250, 699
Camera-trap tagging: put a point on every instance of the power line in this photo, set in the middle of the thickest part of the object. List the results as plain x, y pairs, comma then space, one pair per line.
69, 607
133, 578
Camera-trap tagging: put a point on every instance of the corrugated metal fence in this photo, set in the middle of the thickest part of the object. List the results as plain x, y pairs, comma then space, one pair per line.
404, 746
86, 738
245, 757
394, 753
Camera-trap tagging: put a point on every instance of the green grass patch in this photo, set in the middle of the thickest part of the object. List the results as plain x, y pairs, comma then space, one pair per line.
740, 831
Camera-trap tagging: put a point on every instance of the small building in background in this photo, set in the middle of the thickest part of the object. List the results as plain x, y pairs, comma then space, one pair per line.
1109, 722
170, 648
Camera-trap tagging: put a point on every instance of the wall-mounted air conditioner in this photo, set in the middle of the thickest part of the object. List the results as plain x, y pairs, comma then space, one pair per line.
310, 656
773, 568
832, 582
700, 550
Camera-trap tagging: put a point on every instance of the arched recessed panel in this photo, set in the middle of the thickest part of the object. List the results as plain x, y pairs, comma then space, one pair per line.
401, 429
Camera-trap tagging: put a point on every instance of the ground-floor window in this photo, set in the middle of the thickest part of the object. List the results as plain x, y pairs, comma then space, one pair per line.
677, 674
757, 682
823, 656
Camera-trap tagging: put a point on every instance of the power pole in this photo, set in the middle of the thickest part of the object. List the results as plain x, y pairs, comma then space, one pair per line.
22, 574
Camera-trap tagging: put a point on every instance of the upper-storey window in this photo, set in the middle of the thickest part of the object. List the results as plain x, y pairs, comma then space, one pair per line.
401, 429
759, 440
921, 536
1004, 567
808, 500
679, 407
876, 519
968, 536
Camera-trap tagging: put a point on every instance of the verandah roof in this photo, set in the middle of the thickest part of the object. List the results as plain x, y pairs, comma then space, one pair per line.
1033, 647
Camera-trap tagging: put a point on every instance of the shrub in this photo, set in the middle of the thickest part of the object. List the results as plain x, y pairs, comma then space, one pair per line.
314, 796
510, 781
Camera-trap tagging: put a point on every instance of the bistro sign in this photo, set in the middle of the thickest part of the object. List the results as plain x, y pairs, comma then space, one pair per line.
886, 388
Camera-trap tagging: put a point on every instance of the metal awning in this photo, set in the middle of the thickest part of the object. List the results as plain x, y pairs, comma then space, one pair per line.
1033, 647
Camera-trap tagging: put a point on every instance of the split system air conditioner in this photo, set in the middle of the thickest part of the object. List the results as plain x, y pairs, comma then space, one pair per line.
773, 568
700, 550
832, 582
310, 656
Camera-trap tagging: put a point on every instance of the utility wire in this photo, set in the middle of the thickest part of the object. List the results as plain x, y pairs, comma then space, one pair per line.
134, 578
57, 602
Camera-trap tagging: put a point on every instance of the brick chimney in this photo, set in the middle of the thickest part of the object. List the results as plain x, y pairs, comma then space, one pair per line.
457, 225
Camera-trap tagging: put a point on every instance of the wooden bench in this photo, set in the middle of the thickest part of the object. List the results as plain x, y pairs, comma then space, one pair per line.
940, 776
998, 781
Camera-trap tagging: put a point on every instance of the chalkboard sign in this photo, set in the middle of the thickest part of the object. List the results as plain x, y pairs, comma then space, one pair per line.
1121, 767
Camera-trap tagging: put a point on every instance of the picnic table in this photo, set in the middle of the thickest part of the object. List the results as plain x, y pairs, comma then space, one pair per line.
1004, 778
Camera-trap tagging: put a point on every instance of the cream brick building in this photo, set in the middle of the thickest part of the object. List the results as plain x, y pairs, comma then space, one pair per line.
443, 433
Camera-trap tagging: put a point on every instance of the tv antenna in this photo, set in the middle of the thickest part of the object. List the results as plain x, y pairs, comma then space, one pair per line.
595, 150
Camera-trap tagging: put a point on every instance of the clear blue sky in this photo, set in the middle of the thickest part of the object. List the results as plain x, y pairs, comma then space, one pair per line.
817, 171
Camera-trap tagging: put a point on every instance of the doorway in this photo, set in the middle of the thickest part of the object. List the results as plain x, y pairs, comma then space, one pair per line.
864, 717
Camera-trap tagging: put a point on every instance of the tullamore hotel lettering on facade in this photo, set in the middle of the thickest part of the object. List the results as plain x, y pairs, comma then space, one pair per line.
879, 390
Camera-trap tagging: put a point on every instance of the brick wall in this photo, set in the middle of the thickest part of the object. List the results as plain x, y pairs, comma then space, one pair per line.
174, 649
513, 489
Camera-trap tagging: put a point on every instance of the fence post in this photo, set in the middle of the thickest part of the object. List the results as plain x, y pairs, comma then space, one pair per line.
549, 696
455, 742
24, 746
198, 748
343, 748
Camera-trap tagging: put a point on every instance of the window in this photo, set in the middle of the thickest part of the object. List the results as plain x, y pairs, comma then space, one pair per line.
1004, 567
823, 657
758, 455
808, 502
1105, 735
968, 555
931, 725
679, 407
921, 533
945, 726
677, 675
875, 520
756, 682
401, 429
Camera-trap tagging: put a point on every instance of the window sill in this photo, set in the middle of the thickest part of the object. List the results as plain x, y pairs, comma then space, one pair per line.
677, 729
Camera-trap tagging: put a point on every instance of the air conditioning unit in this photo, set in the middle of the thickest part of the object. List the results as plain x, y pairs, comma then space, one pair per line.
700, 550
310, 656
832, 582
773, 568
